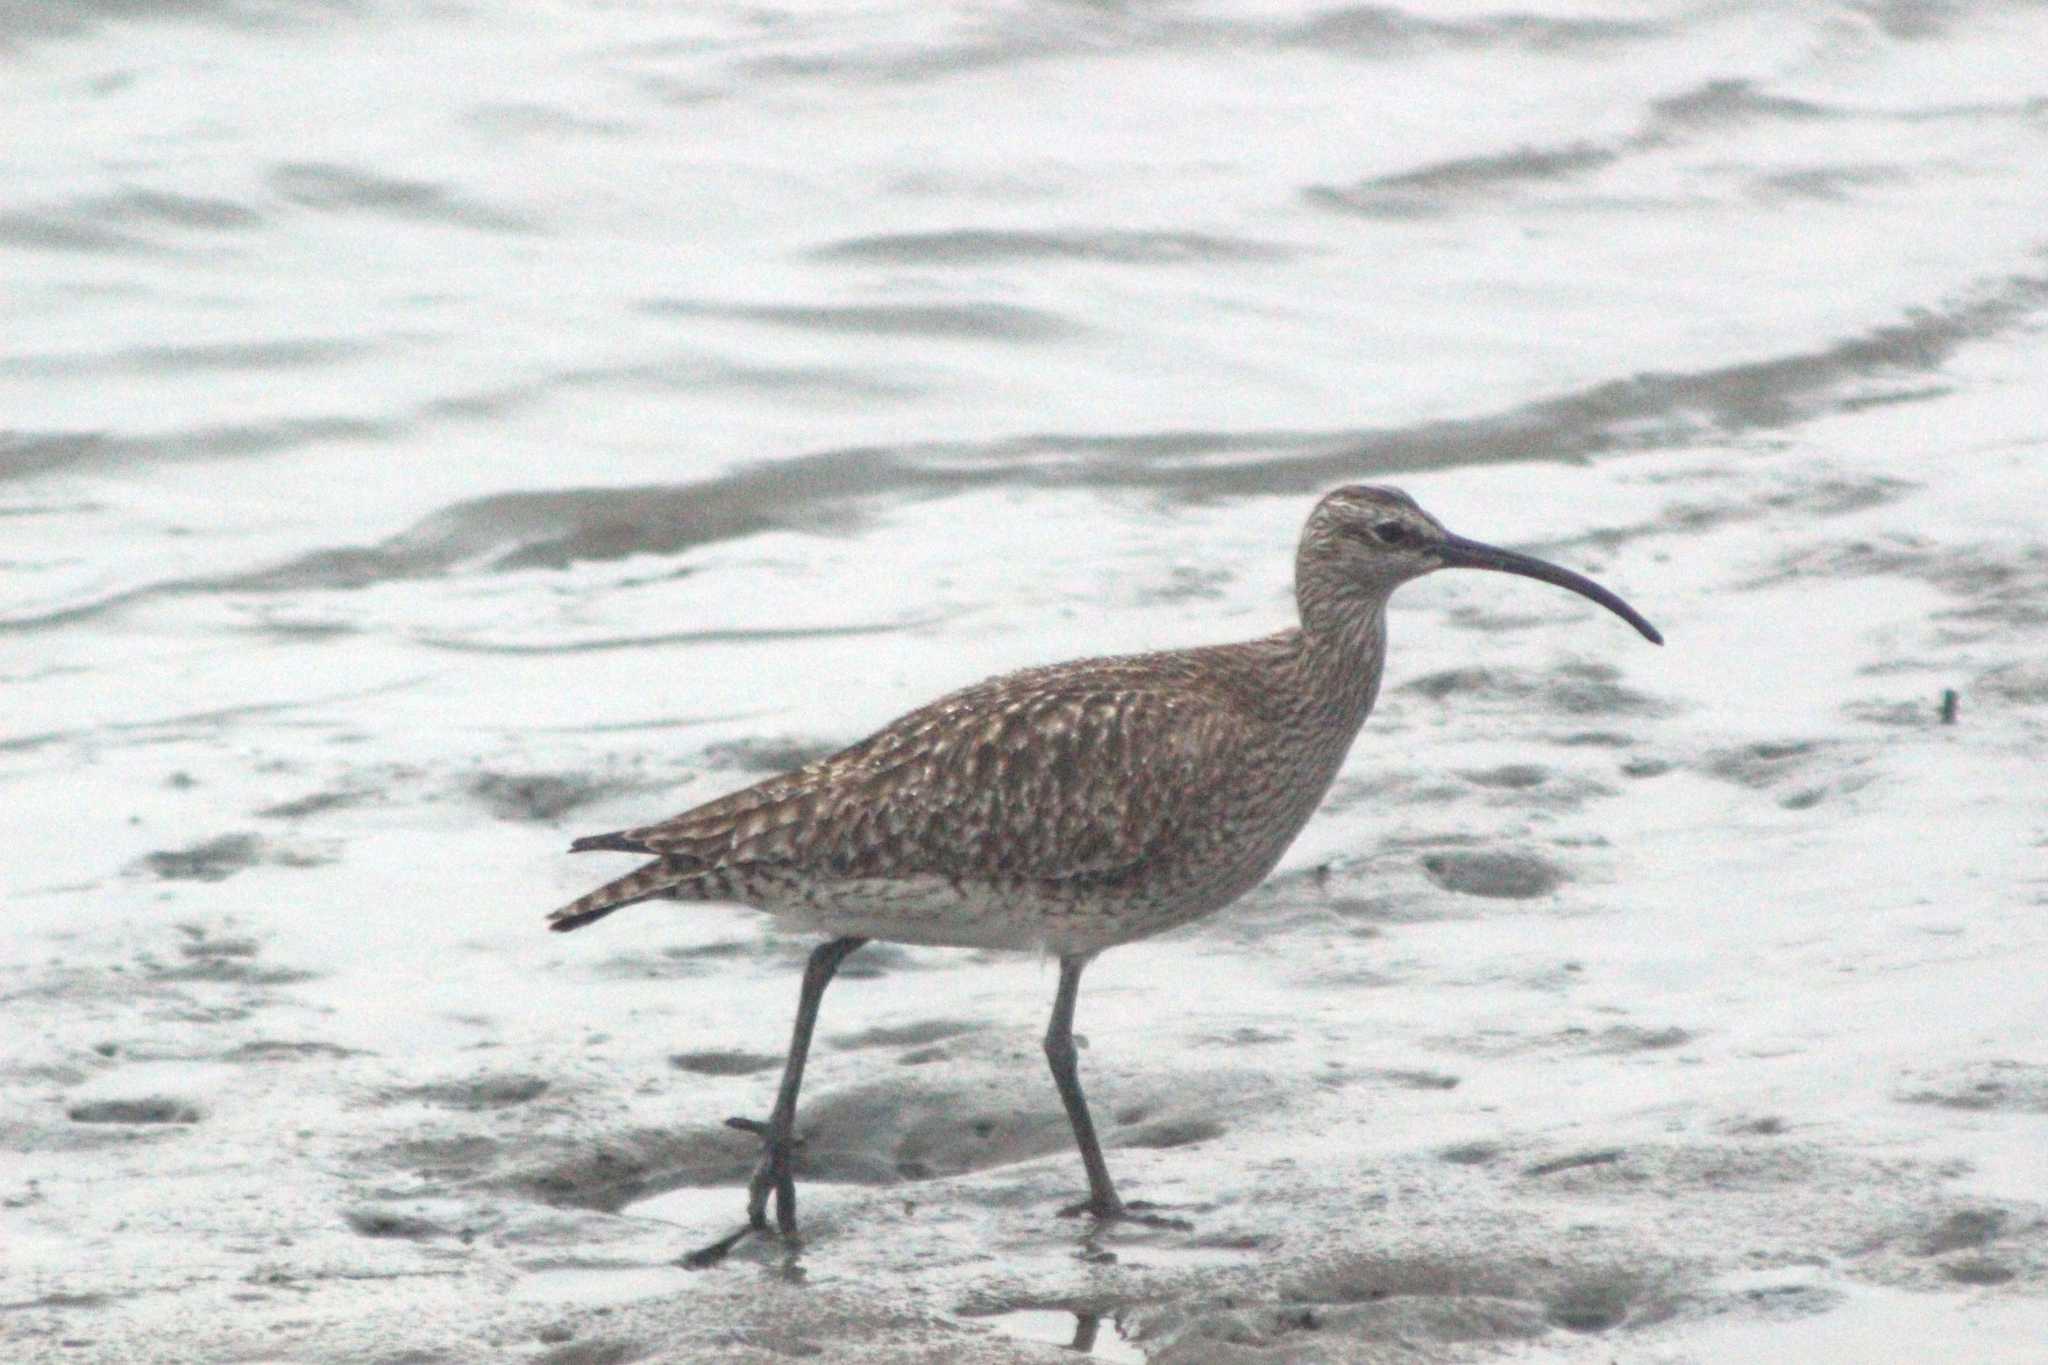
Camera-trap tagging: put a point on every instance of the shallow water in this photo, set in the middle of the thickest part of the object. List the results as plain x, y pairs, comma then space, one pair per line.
426, 432
311, 300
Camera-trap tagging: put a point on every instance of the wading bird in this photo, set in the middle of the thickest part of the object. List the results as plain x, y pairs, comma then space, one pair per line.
1064, 809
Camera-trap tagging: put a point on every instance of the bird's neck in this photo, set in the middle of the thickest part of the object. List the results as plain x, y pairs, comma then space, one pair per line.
1343, 645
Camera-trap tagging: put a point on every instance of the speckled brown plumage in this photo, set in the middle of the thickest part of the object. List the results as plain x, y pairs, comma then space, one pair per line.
1066, 808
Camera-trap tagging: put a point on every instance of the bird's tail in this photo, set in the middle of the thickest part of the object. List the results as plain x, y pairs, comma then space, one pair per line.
645, 883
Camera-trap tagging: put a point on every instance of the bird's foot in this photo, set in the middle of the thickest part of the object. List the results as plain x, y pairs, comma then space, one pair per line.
772, 1175
705, 1257
1114, 1210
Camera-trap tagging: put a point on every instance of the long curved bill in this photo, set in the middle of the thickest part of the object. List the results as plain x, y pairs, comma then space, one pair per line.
1460, 553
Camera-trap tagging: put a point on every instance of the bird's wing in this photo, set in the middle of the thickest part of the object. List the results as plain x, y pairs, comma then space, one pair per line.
1062, 779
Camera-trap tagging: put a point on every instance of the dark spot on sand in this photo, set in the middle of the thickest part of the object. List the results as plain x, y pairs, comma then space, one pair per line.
596, 1353
1630, 1038
315, 803
214, 860
728, 948
1172, 1132
1502, 874
1390, 907
1593, 1306
1770, 762
1574, 689
877, 959
1979, 1272
1375, 1277
1783, 1302
438, 1160
1510, 776
1470, 1153
1247, 1036
1876, 711
1605, 1156
229, 960
147, 1109
536, 796
2023, 684
1415, 1080
1646, 767
481, 1092
908, 1035
375, 1222
269, 1050
2002, 1085
1963, 1230
609, 1174
724, 1062
1593, 739
773, 754
200, 947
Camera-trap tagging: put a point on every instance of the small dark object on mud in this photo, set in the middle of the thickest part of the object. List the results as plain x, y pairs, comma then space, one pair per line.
150, 1109
1951, 703
215, 860
534, 796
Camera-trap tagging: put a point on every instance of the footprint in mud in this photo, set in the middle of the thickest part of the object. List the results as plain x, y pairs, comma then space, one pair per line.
1472, 1153
277, 1050
908, 1035
1181, 1131
1624, 1038
392, 1224
441, 1161
205, 956
1982, 1244
1505, 874
213, 860
1572, 689
1965, 1229
1995, 587
768, 754
1533, 786
473, 1093
725, 1062
541, 797
2020, 684
1814, 770
1510, 776
143, 1109
607, 1174
2002, 1086
1423, 1300
318, 803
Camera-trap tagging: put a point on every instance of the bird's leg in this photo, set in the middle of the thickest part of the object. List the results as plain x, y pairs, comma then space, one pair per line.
1059, 1052
1102, 1203
778, 1140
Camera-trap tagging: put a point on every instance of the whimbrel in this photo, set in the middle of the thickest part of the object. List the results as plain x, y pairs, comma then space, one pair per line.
1064, 809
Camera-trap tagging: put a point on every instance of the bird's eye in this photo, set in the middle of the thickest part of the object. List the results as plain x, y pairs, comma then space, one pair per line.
1389, 532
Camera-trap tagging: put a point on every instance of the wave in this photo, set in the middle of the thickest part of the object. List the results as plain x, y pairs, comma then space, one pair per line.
838, 490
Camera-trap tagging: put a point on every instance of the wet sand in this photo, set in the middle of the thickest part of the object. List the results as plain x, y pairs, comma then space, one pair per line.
432, 434
1618, 1001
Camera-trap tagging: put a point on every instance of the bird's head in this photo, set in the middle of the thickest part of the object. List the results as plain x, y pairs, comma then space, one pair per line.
1363, 539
